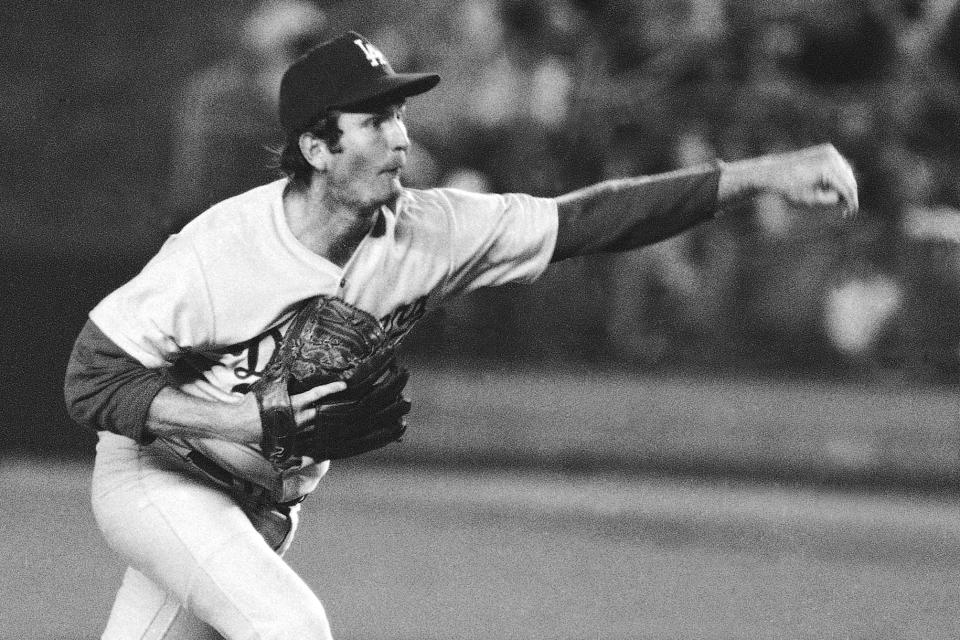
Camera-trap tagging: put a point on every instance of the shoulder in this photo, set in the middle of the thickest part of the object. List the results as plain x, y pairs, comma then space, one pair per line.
239, 215
415, 203
467, 221
229, 234
237, 211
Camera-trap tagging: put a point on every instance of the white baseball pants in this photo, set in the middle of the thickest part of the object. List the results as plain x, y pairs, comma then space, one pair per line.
201, 565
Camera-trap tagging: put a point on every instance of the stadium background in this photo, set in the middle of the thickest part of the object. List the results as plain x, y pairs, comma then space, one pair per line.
800, 355
123, 120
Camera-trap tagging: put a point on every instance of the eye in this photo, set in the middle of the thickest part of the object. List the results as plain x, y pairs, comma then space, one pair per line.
396, 112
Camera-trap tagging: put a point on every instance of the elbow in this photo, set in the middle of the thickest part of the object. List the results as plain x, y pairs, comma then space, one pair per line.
570, 235
104, 389
76, 391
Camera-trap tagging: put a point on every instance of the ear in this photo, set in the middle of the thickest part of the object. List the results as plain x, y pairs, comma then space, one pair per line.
314, 150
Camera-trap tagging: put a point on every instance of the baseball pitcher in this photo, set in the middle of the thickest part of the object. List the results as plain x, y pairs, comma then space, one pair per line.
260, 342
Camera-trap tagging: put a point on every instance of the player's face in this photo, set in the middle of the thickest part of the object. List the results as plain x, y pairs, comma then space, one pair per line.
373, 150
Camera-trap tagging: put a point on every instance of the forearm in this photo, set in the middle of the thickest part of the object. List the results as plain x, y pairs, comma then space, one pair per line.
107, 390
741, 180
175, 413
618, 215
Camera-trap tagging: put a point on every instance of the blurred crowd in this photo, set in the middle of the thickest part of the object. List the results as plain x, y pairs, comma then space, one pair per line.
545, 96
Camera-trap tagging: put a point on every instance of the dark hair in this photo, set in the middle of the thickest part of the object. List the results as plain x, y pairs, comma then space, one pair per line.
291, 161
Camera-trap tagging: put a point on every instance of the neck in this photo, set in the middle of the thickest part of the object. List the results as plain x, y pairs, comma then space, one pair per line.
329, 228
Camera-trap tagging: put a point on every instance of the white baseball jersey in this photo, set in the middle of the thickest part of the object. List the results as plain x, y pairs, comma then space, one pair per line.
218, 295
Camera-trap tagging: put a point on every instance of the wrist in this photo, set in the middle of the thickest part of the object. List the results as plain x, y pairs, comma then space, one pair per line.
174, 413
246, 418
739, 180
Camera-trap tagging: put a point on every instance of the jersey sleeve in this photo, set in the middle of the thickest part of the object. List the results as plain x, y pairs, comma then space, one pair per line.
496, 239
123, 355
163, 311
107, 390
625, 214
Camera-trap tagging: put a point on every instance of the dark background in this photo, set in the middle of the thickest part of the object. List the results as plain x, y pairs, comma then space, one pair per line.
536, 97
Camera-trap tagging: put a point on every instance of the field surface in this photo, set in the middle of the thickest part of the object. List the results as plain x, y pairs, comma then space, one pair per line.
773, 428
402, 552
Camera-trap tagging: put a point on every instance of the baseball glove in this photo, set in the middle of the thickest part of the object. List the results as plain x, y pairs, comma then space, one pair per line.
330, 340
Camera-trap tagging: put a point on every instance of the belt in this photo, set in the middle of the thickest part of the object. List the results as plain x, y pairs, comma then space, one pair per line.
240, 487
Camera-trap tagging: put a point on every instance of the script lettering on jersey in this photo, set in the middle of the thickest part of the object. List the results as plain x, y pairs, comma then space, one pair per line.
235, 368
374, 55
252, 348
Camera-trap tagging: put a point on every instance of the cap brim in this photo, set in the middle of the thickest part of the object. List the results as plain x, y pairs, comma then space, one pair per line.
386, 88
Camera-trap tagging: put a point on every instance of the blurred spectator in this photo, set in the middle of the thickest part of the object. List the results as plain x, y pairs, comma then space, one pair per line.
222, 131
930, 267
529, 79
844, 46
948, 42
861, 316
546, 96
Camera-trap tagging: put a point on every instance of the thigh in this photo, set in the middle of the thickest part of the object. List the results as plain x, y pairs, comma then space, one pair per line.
193, 541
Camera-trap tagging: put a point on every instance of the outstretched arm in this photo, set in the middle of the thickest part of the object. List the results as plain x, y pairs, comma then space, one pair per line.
618, 215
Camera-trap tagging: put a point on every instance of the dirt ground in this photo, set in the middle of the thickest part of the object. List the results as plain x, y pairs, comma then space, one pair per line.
402, 552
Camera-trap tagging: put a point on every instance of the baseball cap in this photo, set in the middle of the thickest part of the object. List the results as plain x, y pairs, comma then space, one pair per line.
346, 71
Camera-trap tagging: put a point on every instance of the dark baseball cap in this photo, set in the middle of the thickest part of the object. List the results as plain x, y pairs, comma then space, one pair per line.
344, 72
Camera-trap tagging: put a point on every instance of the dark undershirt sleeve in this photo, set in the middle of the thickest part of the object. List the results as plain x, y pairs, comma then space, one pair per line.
619, 215
107, 390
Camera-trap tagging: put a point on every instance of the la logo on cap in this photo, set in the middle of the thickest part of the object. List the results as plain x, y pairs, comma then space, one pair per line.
374, 55
344, 72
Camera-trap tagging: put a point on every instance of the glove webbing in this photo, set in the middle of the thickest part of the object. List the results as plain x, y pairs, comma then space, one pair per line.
332, 340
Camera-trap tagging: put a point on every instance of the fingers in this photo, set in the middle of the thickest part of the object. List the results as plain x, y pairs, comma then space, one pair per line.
840, 181
304, 404
309, 397
826, 196
851, 196
818, 177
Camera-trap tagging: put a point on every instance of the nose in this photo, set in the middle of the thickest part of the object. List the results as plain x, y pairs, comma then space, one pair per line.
396, 134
